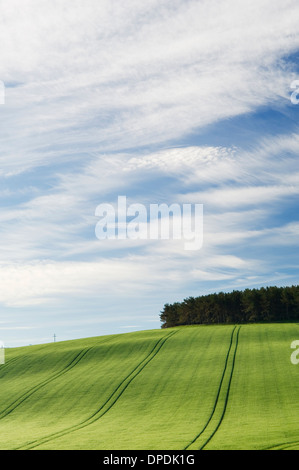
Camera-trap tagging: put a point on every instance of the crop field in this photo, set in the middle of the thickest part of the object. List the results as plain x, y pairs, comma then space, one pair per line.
193, 388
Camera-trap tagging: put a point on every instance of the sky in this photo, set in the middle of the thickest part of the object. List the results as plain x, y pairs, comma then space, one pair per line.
169, 101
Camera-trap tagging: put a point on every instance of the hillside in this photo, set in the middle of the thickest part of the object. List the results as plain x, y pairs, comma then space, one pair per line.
192, 387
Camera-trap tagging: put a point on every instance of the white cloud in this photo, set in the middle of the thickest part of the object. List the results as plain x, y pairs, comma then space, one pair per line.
95, 75
47, 282
248, 187
242, 197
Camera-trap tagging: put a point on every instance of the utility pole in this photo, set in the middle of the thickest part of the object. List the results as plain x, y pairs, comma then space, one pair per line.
54, 338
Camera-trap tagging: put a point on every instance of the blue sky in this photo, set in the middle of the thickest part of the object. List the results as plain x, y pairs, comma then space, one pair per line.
177, 101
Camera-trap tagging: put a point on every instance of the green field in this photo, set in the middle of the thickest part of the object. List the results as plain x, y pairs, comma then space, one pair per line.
193, 387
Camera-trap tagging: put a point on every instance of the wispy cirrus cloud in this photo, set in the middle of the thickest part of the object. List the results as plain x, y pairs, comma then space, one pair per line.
95, 76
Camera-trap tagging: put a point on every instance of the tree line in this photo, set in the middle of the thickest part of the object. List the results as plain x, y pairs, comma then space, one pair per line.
266, 304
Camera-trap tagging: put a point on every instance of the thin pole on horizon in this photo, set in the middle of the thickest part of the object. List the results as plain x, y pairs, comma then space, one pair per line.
54, 337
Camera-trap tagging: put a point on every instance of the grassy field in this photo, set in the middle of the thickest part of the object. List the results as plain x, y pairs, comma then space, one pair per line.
197, 387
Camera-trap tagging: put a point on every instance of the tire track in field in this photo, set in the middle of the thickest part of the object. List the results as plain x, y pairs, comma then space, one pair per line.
290, 445
10, 408
222, 395
283, 445
109, 403
9, 362
16, 403
227, 391
218, 393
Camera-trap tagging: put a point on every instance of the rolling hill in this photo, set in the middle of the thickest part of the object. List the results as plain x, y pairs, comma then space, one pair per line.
192, 387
